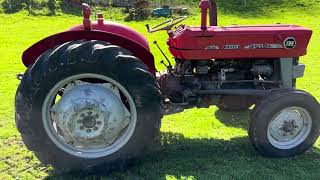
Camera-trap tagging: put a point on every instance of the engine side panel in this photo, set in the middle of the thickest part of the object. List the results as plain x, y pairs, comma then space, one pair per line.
270, 41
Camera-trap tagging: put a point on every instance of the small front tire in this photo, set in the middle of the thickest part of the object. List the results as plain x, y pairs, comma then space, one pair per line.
285, 123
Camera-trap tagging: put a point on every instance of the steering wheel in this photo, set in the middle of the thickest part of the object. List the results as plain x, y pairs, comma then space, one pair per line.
167, 25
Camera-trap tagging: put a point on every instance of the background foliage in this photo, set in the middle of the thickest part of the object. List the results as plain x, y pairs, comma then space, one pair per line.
253, 7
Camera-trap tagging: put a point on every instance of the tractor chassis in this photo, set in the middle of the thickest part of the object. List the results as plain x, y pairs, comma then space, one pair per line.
289, 70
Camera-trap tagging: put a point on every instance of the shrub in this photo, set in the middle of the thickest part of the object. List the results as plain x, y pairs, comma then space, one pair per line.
69, 7
12, 6
52, 6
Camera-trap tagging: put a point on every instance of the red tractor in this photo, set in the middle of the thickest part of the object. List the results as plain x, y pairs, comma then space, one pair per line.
91, 95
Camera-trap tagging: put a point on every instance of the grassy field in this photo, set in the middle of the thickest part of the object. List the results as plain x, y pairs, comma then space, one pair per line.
198, 143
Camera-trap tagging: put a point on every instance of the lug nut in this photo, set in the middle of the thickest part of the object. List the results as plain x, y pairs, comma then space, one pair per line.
81, 127
98, 122
88, 130
96, 116
82, 115
89, 113
95, 128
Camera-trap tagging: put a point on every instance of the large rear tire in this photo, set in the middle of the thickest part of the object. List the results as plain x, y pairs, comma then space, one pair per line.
285, 123
99, 71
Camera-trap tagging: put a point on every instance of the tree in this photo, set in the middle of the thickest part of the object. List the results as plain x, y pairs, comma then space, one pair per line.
52, 6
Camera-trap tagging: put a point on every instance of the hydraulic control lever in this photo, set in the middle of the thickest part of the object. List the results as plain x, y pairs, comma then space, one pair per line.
169, 66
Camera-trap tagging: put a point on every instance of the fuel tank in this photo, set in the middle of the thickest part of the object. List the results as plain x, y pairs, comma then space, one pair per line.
239, 42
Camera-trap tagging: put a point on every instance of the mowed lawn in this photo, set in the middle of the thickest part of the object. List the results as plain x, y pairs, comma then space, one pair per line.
197, 143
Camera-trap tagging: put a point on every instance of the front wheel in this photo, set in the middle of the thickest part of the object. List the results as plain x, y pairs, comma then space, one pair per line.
88, 103
285, 123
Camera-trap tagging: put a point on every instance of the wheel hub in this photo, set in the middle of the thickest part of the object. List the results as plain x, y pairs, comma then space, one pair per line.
89, 122
90, 116
289, 127
89, 119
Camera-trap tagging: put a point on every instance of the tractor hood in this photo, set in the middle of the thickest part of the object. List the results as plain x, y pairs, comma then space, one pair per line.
264, 41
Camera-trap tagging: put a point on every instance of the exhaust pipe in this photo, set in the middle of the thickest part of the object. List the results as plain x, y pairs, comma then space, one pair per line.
213, 13
212, 6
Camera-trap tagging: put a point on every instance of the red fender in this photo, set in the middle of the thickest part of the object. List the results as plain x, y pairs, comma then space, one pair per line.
139, 49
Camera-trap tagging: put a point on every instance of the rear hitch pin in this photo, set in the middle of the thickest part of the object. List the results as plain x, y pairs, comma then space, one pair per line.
19, 76
167, 66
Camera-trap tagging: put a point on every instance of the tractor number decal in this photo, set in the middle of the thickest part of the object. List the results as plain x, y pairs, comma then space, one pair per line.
212, 47
264, 46
290, 43
232, 46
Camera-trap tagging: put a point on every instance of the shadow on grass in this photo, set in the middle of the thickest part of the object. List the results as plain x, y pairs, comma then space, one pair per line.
234, 119
182, 157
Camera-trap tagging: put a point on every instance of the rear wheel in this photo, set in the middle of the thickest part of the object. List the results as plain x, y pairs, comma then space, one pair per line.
89, 103
285, 123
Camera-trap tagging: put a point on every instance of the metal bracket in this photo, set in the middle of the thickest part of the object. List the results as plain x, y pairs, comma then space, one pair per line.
289, 72
298, 70
286, 71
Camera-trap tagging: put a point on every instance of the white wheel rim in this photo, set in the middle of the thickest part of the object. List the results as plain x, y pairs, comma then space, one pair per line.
289, 128
87, 151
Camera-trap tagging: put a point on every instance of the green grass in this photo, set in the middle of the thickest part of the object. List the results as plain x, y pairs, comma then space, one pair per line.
198, 143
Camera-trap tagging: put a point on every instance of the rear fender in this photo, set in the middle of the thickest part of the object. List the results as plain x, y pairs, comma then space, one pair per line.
32, 53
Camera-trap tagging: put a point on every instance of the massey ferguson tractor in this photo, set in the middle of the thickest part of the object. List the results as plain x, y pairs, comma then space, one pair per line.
92, 96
